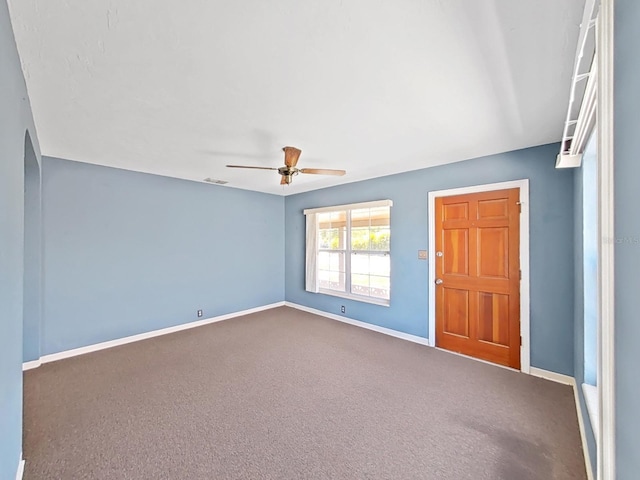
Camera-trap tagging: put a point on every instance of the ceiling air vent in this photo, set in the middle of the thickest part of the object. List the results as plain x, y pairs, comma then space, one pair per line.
216, 181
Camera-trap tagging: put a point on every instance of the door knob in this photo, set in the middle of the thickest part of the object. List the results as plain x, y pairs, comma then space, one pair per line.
438, 281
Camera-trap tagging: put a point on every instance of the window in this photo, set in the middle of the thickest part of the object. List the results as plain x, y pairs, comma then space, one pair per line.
348, 251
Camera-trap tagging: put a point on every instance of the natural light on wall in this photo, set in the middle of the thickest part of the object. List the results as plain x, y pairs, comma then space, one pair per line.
348, 251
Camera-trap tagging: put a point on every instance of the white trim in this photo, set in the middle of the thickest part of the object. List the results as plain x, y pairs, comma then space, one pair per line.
358, 323
313, 250
564, 160
20, 471
553, 376
583, 435
568, 380
581, 123
143, 336
31, 365
311, 253
584, 125
606, 291
587, 116
523, 185
590, 393
350, 206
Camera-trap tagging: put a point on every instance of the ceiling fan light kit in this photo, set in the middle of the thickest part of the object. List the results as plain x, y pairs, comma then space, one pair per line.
291, 157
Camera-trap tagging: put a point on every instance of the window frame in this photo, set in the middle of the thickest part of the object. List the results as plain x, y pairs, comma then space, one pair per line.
347, 251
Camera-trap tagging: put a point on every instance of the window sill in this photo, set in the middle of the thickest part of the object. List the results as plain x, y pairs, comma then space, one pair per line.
591, 399
357, 298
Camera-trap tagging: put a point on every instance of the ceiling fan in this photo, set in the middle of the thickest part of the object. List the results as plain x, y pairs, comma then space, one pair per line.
291, 156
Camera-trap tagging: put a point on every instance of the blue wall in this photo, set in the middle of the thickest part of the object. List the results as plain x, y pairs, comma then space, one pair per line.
112, 237
551, 246
627, 236
32, 301
15, 120
127, 253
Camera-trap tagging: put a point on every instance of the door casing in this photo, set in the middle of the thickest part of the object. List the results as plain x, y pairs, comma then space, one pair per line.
523, 185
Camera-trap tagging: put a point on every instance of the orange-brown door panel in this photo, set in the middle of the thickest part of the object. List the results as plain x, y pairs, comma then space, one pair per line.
478, 275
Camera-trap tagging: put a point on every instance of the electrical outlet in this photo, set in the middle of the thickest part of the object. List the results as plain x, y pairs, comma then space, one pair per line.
199, 313
342, 309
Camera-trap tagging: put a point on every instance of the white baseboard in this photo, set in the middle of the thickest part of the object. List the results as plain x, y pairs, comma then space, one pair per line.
583, 433
20, 471
553, 376
567, 380
537, 372
142, 336
30, 365
590, 394
358, 323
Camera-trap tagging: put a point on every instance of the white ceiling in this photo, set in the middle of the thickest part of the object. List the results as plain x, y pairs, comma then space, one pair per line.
375, 87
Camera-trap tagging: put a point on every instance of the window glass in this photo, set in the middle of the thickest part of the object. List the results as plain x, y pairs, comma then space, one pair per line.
353, 255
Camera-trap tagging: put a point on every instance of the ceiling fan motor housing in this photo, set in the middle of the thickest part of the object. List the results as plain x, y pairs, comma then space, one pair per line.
287, 173
291, 155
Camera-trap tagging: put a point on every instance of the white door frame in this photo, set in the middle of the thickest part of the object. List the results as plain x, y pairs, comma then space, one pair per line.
523, 185
606, 441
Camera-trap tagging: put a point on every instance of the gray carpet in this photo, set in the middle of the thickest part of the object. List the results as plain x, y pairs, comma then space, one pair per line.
283, 394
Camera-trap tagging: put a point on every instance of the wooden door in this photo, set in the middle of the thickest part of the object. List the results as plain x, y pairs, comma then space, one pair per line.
478, 275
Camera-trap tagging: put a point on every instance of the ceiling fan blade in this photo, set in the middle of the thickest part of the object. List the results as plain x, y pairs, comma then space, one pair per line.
247, 166
322, 171
291, 156
283, 180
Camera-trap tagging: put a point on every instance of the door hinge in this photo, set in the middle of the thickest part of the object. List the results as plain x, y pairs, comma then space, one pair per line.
519, 207
520, 340
520, 274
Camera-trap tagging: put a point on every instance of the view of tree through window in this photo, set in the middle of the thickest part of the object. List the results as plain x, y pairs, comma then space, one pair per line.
353, 252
